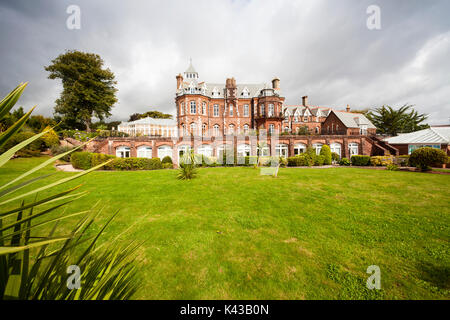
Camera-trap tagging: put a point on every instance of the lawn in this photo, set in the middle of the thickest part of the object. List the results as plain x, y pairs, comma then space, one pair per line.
308, 234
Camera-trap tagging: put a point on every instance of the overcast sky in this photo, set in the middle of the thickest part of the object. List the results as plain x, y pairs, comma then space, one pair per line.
318, 48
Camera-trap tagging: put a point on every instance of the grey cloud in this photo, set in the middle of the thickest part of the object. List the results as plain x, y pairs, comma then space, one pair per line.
317, 48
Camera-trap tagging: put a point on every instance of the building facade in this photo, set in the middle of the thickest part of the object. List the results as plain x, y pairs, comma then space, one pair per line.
211, 117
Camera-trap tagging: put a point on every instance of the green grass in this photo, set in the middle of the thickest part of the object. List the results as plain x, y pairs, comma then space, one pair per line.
308, 234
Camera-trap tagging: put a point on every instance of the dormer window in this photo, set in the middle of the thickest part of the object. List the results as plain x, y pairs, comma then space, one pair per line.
245, 93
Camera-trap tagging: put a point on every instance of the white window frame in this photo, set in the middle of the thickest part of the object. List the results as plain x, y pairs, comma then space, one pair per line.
216, 110
353, 149
246, 109
243, 150
123, 152
336, 148
144, 152
317, 147
164, 151
299, 148
282, 150
193, 107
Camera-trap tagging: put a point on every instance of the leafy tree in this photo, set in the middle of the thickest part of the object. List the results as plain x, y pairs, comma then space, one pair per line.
394, 121
152, 114
88, 88
425, 158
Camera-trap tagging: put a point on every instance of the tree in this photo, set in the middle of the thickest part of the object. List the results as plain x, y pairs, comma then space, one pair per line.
394, 121
325, 151
88, 88
152, 114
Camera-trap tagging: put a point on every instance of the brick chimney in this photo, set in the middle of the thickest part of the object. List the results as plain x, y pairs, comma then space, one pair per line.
179, 80
348, 108
305, 101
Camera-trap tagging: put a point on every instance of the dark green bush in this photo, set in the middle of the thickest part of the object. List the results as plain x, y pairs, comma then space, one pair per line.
61, 149
344, 162
125, 164
335, 157
99, 158
402, 161
425, 158
167, 159
358, 160
392, 167
326, 153
31, 150
319, 160
81, 160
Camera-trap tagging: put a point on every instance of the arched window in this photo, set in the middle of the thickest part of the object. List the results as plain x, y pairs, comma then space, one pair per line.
286, 129
164, 151
216, 130
281, 150
263, 111
317, 129
317, 147
123, 152
231, 110
205, 150
353, 149
231, 129
246, 128
193, 107
144, 152
243, 150
336, 147
193, 128
299, 148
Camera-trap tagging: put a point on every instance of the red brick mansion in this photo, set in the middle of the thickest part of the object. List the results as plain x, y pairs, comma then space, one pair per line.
209, 112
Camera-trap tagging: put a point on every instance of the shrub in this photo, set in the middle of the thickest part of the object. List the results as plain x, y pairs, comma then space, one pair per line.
358, 160
335, 157
344, 162
81, 160
326, 153
31, 150
167, 159
50, 139
381, 160
292, 161
283, 162
167, 165
319, 160
125, 164
392, 167
98, 158
188, 169
425, 158
402, 161
61, 149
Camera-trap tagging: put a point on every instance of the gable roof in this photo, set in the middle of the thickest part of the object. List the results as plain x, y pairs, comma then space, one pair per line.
353, 120
431, 135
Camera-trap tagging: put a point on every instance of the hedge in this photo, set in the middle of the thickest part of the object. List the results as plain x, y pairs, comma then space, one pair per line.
87, 160
344, 162
358, 160
134, 164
